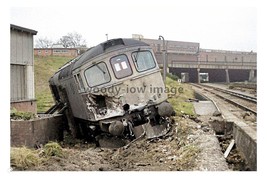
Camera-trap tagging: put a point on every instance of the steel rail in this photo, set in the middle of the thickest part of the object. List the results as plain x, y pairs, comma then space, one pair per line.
227, 99
239, 95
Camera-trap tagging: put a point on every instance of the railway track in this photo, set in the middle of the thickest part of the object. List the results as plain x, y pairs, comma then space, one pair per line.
233, 107
247, 103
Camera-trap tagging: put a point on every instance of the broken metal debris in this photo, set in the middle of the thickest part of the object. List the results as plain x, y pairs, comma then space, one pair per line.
229, 148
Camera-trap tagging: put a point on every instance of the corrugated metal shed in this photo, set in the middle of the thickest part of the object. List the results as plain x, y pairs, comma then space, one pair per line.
21, 45
18, 83
21, 63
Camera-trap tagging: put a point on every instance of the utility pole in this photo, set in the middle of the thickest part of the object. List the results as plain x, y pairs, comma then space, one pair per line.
164, 59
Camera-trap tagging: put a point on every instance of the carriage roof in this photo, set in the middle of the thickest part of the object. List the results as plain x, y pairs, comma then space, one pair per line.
90, 54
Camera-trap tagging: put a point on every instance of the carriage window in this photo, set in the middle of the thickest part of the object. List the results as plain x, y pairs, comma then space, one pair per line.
97, 74
121, 66
143, 60
79, 81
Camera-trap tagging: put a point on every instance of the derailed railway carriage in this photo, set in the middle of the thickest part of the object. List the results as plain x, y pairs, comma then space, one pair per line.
109, 90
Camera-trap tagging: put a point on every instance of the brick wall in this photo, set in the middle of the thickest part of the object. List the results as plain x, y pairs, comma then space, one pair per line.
43, 52
26, 106
36, 132
70, 52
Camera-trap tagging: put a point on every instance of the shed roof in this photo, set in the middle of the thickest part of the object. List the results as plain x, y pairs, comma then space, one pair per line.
22, 29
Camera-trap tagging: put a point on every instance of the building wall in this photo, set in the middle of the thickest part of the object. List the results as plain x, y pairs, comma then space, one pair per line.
175, 58
43, 52
68, 52
176, 50
230, 56
22, 68
178, 47
21, 48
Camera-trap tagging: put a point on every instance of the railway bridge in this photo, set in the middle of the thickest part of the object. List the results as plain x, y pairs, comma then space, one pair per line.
197, 71
193, 64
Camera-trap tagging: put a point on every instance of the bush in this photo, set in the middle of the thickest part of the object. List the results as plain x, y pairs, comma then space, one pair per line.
53, 149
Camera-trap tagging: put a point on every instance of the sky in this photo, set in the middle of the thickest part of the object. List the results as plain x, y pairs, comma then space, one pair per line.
214, 27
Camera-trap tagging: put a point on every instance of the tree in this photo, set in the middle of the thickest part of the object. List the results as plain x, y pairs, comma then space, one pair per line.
72, 40
66, 41
43, 42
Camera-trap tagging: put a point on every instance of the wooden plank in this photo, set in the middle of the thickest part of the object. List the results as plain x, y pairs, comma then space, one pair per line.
229, 148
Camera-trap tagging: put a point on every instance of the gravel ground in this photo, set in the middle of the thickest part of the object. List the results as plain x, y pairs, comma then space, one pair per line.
249, 118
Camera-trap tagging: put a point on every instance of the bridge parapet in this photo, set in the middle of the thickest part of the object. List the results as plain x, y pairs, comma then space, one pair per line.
213, 65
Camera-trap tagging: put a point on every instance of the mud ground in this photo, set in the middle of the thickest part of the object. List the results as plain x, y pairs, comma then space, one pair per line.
187, 147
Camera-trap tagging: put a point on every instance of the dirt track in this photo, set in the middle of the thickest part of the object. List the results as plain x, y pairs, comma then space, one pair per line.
186, 147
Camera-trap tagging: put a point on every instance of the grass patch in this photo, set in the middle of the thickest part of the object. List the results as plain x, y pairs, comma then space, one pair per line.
53, 149
44, 68
179, 99
22, 158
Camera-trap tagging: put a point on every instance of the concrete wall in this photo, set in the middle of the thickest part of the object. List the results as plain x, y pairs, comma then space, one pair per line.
246, 141
230, 56
174, 58
36, 132
236, 75
245, 138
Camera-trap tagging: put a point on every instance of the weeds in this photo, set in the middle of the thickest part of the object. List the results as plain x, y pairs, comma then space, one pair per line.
22, 158
53, 149
21, 115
